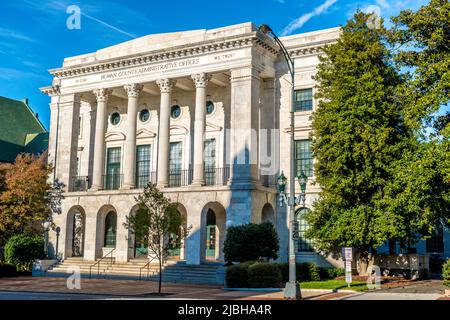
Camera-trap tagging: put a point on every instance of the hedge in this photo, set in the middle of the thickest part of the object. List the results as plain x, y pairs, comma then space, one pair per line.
446, 273
264, 275
250, 242
21, 250
253, 274
310, 272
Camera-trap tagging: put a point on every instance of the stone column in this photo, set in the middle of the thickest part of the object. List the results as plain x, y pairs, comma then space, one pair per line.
129, 163
99, 144
67, 143
200, 81
245, 100
166, 86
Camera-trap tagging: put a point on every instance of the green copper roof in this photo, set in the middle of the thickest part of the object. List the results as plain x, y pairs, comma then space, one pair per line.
20, 130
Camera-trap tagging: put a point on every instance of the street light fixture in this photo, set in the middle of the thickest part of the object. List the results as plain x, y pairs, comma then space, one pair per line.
292, 290
46, 225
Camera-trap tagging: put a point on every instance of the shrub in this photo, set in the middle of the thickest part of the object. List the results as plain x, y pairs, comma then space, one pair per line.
21, 250
7, 270
251, 242
446, 273
264, 275
237, 275
313, 272
330, 273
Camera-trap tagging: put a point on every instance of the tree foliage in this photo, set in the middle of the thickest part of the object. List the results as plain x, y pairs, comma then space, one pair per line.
156, 219
26, 196
422, 39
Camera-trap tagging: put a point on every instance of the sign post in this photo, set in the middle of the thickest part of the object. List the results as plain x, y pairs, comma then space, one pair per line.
347, 254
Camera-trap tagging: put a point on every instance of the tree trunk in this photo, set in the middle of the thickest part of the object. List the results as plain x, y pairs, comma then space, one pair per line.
160, 271
365, 259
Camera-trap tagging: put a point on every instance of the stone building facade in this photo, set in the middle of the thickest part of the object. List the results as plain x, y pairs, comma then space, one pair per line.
204, 114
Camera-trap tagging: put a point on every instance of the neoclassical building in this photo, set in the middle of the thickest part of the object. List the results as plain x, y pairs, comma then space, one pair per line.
204, 114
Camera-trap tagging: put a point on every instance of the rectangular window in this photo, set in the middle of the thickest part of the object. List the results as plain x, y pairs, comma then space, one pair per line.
210, 161
175, 164
303, 157
143, 165
113, 176
303, 100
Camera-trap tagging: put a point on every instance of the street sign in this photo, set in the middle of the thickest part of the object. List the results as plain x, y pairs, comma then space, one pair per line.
347, 253
348, 266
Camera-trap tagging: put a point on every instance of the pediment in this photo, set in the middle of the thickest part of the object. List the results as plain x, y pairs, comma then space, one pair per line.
212, 127
114, 136
144, 133
178, 130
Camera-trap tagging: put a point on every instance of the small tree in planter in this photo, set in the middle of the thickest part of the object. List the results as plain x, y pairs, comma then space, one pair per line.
251, 242
156, 219
446, 276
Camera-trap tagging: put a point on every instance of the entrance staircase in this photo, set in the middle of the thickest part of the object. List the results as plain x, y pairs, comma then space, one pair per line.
138, 269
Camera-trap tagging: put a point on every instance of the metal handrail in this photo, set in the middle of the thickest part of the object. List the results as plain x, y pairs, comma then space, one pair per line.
147, 265
98, 263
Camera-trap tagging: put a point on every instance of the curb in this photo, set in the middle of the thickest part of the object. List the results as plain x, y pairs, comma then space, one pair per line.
254, 289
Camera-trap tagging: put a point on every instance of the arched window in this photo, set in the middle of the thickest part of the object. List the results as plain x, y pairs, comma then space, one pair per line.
110, 229
303, 244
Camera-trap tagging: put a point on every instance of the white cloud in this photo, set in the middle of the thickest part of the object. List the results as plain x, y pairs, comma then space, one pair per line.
11, 34
300, 21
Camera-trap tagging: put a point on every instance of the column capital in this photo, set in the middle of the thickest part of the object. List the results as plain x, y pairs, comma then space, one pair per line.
102, 94
166, 85
201, 79
133, 89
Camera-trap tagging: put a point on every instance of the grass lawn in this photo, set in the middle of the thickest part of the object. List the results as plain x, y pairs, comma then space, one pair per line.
334, 285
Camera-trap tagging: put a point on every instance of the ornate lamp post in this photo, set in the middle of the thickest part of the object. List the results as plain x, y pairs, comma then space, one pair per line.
292, 290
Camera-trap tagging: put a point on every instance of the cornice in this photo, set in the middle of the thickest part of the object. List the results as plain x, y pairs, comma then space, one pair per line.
183, 51
309, 49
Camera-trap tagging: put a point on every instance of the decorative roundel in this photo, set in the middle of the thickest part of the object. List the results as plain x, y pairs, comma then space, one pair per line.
115, 118
209, 107
175, 112
144, 115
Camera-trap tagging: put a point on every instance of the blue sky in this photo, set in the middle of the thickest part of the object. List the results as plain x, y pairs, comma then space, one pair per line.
34, 36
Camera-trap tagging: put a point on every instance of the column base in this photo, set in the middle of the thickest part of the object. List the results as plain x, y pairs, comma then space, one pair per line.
292, 291
93, 189
198, 183
162, 185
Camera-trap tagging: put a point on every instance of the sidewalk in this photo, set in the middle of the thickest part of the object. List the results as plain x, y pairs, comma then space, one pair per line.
133, 289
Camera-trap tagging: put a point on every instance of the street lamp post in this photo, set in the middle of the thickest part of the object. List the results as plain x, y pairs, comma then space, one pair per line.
292, 290
46, 226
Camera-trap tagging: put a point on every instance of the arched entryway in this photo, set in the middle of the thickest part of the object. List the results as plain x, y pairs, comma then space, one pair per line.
137, 235
106, 235
110, 235
268, 214
178, 239
303, 244
213, 232
75, 232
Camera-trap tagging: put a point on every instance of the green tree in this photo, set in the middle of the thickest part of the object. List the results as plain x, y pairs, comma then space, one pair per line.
155, 221
422, 42
359, 134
